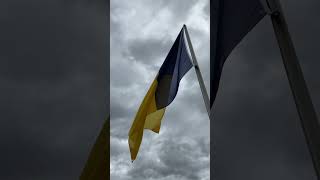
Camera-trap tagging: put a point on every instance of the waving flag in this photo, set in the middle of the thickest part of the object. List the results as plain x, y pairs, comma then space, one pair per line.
162, 92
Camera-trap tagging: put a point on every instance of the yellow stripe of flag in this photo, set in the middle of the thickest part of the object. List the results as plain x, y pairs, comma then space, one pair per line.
147, 117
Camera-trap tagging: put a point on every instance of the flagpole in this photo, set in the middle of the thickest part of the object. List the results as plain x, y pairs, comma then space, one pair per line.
204, 94
307, 113
198, 72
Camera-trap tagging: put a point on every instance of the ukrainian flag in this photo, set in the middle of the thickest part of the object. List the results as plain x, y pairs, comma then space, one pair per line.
162, 92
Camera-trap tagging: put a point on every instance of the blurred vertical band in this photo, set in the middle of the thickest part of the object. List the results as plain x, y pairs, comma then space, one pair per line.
96, 167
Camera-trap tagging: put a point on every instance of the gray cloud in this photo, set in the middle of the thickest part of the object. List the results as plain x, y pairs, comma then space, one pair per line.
148, 51
172, 164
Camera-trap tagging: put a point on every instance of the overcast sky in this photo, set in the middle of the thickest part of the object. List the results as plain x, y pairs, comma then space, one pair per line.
142, 33
257, 134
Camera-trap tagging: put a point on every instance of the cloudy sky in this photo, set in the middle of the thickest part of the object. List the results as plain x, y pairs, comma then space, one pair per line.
257, 134
142, 32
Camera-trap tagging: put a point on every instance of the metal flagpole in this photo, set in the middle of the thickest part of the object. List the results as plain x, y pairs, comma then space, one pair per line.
198, 72
307, 114
204, 94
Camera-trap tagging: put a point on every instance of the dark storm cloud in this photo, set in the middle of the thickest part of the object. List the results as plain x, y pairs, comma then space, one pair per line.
53, 86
